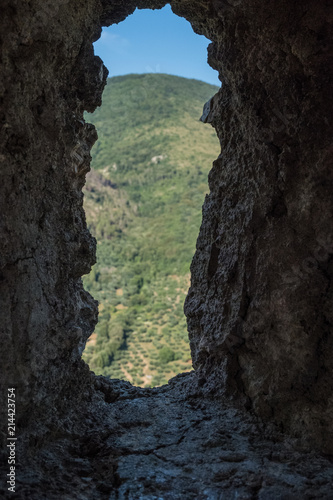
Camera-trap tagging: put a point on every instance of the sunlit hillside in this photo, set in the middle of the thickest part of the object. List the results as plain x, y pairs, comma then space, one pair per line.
143, 203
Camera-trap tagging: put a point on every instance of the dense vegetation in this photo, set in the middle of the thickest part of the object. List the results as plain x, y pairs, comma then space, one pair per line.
143, 203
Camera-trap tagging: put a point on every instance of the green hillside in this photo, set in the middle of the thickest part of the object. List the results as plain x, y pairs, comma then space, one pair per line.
143, 203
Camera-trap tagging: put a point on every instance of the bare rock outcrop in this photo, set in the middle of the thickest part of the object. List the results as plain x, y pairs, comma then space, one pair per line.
260, 304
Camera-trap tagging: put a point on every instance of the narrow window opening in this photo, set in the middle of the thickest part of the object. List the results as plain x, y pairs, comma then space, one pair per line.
144, 194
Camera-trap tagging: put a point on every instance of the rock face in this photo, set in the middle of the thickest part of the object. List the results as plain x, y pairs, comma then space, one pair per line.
260, 305
45, 313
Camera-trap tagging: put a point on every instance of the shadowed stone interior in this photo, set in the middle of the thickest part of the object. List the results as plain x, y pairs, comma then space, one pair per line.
254, 419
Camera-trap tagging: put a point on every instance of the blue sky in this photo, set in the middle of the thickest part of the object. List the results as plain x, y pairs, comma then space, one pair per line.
155, 42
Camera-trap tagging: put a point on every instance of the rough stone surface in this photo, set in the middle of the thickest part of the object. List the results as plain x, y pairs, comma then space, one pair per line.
260, 305
161, 444
45, 245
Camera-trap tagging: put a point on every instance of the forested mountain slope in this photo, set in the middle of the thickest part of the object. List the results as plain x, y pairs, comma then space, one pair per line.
143, 203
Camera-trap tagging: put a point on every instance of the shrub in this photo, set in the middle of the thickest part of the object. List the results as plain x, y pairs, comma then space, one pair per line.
166, 354
100, 359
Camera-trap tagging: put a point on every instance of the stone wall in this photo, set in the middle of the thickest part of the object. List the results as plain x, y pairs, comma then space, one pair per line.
260, 305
